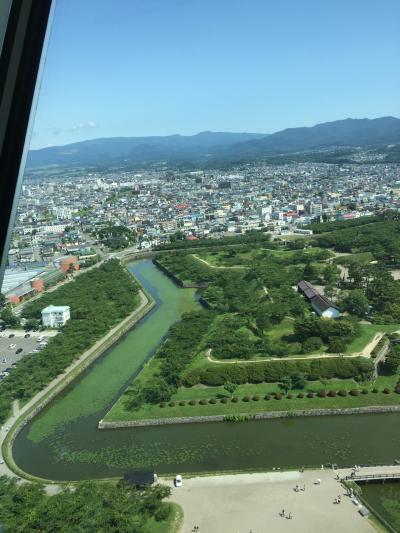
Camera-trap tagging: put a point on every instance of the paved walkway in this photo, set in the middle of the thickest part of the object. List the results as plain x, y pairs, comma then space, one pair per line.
4, 469
246, 503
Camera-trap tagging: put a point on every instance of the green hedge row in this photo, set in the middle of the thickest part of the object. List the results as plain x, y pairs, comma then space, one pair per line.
274, 371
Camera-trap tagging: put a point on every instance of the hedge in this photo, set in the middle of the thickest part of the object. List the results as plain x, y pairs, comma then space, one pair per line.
274, 371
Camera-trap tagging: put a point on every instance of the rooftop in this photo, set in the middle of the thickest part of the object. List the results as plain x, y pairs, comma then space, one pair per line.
14, 278
56, 309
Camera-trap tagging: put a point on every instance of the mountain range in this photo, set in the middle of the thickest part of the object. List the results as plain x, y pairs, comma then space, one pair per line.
210, 146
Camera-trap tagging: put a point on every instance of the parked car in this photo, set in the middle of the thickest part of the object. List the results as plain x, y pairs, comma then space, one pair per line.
11, 335
12, 346
27, 335
19, 350
40, 339
178, 481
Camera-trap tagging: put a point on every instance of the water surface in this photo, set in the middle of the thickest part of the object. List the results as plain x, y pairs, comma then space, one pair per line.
63, 442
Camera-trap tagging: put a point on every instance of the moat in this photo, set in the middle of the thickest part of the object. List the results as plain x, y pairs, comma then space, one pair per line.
63, 442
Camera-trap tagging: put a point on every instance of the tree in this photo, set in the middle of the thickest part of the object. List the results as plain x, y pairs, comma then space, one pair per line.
135, 396
330, 274
263, 318
286, 383
330, 292
310, 272
298, 380
157, 391
356, 303
356, 274
230, 387
312, 344
392, 361
336, 345
309, 326
10, 319
32, 323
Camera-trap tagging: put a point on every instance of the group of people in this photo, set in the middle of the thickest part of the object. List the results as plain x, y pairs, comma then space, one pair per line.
195, 528
284, 515
338, 499
298, 489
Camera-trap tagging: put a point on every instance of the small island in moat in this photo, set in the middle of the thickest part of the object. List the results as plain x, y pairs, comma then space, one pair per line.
259, 345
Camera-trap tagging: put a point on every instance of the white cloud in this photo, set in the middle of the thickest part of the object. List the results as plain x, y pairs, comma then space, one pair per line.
84, 125
88, 125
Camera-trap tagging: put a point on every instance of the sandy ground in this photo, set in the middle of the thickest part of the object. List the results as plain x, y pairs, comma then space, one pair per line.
252, 503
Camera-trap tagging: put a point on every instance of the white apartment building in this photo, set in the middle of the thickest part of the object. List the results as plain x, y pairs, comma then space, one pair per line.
55, 316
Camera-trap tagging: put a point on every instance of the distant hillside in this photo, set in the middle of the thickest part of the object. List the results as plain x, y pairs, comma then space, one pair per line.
209, 147
120, 150
350, 132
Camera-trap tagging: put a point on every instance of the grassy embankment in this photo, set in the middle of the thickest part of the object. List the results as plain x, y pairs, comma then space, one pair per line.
225, 406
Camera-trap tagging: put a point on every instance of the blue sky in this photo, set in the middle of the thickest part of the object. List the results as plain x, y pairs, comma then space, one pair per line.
158, 67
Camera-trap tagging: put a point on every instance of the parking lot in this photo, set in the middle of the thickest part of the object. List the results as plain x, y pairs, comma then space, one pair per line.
21, 343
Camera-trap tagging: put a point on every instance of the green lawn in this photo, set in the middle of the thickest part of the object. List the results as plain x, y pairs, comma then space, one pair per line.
223, 259
360, 258
281, 330
119, 413
368, 332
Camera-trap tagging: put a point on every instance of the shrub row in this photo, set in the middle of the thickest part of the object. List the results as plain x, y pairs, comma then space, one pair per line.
280, 396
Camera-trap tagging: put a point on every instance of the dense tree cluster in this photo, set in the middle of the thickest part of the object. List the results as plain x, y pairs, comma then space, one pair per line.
99, 299
324, 227
175, 354
312, 330
373, 290
115, 237
379, 238
89, 506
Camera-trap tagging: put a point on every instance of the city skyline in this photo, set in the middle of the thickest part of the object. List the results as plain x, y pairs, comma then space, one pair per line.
175, 68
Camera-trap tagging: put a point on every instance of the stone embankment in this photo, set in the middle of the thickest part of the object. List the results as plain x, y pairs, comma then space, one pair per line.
257, 416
